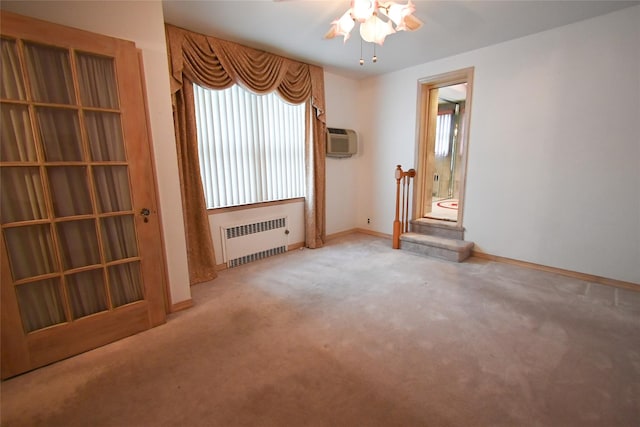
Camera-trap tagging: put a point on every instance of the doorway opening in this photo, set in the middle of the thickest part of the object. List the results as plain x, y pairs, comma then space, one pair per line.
443, 115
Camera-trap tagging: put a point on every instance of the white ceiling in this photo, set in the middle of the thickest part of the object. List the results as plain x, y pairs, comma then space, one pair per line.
452, 93
295, 28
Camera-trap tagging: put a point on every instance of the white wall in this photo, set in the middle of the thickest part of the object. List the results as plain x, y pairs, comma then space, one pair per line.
341, 96
554, 161
141, 22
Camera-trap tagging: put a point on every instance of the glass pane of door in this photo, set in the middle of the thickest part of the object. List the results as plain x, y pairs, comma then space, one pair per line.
87, 293
12, 83
30, 251
16, 137
78, 243
69, 190
59, 131
97, 81
112, 188
21, 194
104, 132
41, 304
125, 283
118, 238
49, 72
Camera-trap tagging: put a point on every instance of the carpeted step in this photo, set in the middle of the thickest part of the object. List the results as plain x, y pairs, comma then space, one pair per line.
439, 247
437, 228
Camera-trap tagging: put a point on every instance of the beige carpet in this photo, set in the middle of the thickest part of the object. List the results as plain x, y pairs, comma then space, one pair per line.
357, 334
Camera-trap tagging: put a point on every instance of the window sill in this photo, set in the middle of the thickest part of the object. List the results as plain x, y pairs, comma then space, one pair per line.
216, 211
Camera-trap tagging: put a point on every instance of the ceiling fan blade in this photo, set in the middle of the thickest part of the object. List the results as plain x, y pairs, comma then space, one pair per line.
412, 23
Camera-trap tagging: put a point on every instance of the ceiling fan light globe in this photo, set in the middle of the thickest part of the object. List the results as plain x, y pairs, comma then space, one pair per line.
361, 10
344, 25
341, 27
375, 30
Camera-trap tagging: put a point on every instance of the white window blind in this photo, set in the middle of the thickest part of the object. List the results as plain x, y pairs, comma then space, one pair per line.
251, 147
443, 134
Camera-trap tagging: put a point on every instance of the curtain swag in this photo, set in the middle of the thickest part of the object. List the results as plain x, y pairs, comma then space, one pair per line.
218, 64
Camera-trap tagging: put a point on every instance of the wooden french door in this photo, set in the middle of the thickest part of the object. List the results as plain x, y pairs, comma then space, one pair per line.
81, 251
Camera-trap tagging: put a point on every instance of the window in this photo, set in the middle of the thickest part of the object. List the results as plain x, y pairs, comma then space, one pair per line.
251, 147
443, 134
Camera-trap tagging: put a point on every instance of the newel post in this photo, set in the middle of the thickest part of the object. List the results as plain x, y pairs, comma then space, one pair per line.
401, 222
396, 222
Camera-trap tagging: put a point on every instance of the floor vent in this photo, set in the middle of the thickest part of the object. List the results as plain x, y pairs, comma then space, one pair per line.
243, 243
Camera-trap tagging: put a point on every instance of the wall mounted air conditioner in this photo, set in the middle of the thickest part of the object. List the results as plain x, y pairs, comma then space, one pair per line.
341, 142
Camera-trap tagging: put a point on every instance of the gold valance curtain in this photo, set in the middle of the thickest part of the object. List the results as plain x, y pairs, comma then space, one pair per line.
219, 64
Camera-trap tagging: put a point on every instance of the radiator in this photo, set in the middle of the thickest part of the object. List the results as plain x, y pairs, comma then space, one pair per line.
243, 243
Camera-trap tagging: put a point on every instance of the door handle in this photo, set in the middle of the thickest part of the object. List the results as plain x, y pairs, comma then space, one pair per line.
145, 213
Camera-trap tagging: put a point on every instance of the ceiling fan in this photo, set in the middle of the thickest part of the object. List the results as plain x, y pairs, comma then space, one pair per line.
373, 29
368, 13
377, 20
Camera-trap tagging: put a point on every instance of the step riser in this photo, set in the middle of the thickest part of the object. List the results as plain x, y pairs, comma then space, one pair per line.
448, 233
442, 253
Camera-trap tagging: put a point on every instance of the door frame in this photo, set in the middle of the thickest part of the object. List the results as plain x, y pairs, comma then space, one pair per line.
426, 124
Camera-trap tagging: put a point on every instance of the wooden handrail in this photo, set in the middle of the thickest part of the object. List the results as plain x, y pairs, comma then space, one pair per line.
401, 222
